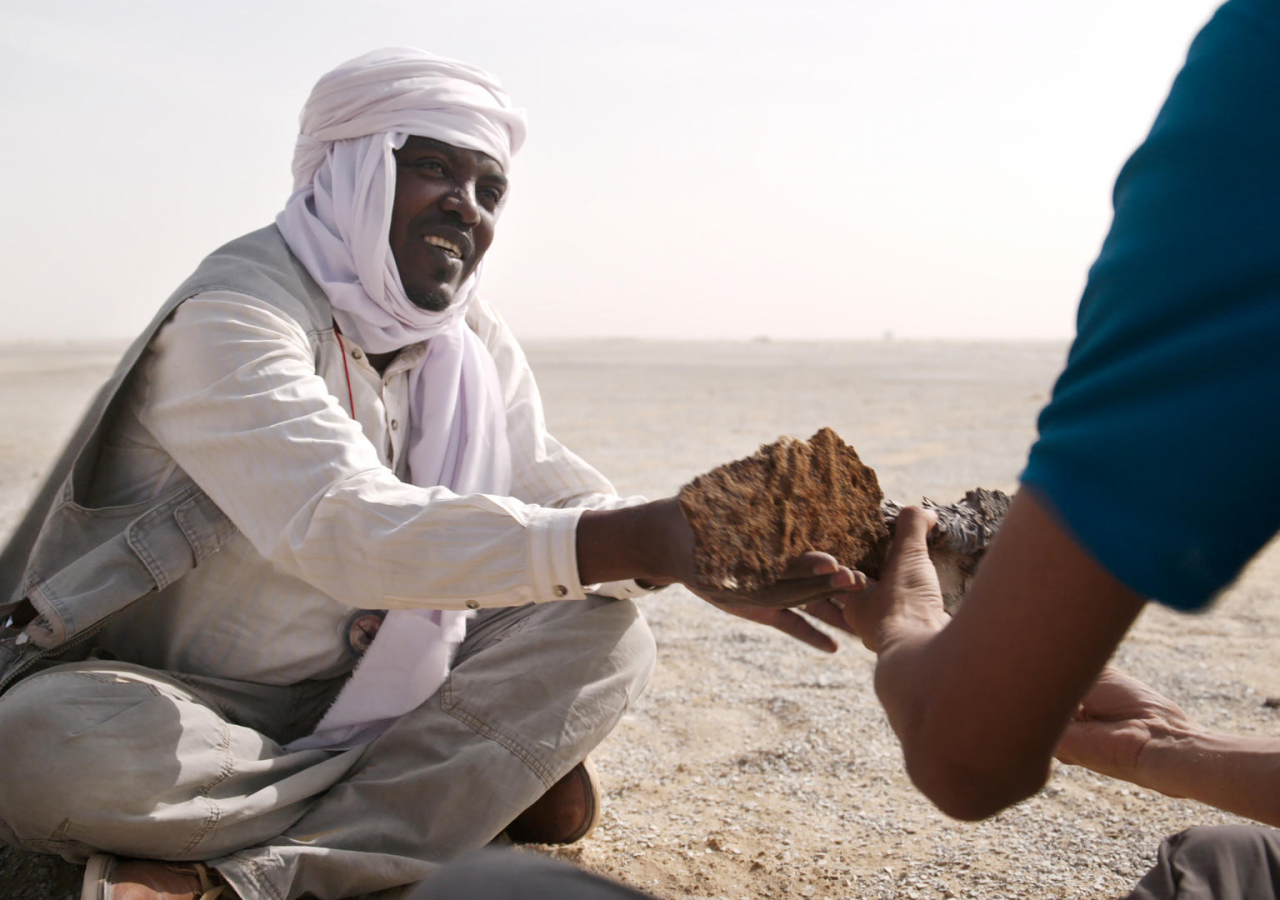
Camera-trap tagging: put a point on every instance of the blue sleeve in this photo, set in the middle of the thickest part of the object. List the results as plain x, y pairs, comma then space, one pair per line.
1159, 448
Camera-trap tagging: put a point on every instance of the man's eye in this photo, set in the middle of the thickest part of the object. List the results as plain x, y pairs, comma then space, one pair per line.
492, 196
429, 166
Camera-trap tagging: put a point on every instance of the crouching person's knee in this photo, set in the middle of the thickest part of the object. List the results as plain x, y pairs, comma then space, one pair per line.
555, 685
24, 735
626, 653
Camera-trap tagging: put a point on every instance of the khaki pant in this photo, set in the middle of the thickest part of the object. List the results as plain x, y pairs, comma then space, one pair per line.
1226, 862
107, 756
510, 875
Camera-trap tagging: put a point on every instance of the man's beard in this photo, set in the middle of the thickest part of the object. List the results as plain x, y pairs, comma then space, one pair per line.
432, 301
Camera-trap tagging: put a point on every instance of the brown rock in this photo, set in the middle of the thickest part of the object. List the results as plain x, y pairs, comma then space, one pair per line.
752, 517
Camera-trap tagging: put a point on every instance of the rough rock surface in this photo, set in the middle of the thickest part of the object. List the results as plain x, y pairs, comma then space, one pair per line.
956, 543
751, 517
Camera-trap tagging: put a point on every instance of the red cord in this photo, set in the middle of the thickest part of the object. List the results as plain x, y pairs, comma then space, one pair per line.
351, 400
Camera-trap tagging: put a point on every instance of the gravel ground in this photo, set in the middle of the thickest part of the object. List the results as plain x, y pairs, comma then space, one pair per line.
754, 767
754, 770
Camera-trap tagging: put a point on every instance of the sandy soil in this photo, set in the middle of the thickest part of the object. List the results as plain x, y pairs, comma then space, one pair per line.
755, 767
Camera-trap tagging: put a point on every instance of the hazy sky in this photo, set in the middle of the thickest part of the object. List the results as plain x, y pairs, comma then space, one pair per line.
694, 168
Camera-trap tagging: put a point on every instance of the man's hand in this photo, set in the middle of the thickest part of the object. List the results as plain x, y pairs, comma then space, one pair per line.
812, 575
1119, 719
1128, 730
654, 543
809, 579
907, 597
980, 700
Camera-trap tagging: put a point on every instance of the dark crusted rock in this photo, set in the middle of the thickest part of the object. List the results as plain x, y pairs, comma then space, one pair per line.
956, 543
751, 517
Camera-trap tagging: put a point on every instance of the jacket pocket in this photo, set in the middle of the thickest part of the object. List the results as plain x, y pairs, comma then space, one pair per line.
107, 558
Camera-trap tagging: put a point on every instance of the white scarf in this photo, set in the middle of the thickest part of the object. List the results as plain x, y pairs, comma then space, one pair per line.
336, 223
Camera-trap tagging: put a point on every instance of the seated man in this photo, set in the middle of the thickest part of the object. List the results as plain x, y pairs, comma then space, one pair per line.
239, 637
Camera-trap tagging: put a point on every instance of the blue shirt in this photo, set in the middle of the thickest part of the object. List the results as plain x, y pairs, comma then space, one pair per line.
1160, 446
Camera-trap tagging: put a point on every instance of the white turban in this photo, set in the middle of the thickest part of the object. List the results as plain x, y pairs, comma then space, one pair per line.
337, 222
407, 90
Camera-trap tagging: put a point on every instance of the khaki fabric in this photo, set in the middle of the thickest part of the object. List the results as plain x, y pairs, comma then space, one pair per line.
1227, 862
108, 756
508, 875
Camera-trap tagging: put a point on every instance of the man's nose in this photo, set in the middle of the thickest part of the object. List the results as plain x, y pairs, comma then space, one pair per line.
462, 201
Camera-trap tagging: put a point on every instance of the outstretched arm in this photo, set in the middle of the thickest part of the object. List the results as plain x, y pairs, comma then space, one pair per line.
1128, 730
620, 540
980, 701
654, 543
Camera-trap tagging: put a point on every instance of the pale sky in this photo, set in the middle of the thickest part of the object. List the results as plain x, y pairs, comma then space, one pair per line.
694, 169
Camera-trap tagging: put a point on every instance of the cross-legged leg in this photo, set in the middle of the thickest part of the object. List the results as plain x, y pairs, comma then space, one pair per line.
533, 691
108, 756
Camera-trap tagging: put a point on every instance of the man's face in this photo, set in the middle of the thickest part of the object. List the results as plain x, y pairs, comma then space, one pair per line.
442, 220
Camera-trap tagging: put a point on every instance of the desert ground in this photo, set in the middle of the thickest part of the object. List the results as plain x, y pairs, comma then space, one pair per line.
755, 767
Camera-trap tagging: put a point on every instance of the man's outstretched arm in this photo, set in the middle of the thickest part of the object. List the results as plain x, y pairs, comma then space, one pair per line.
1128, 730
619, 540
654, 543
980, 701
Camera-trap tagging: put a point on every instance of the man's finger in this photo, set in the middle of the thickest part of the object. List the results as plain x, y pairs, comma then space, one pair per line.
798, 591
794, 625
827, 612
795, 591
812, 563
913, 527
775, 600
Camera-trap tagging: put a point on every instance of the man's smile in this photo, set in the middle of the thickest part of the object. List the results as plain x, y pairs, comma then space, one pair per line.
448, 246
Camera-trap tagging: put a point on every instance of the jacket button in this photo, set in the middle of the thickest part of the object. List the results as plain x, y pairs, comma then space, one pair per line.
395, 424
561, 591
355, 353
473, 604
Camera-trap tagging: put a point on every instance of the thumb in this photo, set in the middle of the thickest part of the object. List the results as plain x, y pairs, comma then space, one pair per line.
910, 536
